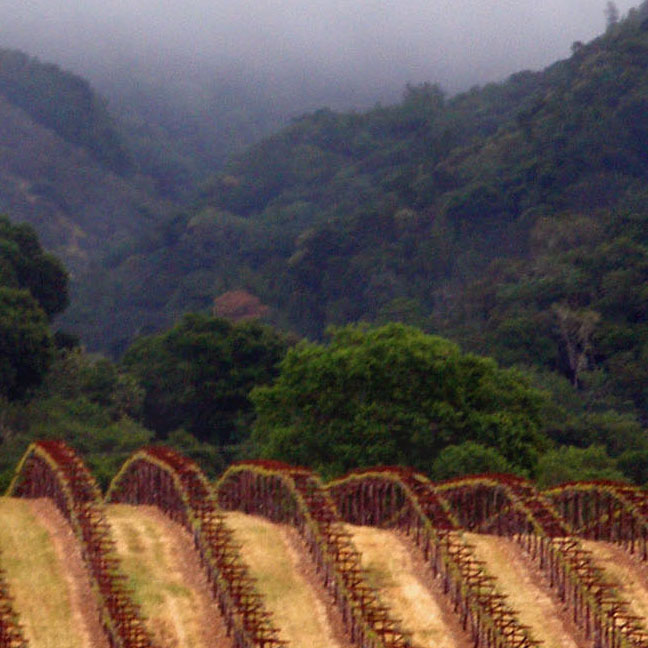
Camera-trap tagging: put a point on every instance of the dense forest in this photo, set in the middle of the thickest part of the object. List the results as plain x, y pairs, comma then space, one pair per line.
510, 219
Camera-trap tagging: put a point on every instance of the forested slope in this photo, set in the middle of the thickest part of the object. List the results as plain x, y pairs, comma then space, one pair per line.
64, 167
510, 218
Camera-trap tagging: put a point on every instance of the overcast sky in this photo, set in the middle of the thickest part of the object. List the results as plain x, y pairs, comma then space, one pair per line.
374, 43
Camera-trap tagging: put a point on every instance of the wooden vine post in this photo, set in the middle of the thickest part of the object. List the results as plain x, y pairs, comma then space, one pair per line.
508, 505
161, 477
295, 496
603, 510
399, 498
52, 469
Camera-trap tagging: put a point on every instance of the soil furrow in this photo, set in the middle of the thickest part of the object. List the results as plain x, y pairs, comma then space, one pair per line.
630, 577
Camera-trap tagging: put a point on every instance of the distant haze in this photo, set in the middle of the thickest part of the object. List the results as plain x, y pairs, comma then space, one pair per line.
371, 48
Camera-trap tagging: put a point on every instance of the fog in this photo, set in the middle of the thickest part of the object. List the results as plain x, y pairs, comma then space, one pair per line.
369, 49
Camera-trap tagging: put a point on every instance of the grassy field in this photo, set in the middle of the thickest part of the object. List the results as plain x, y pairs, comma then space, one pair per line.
38, 579
150, 547
525, 591
391, 570
296, 608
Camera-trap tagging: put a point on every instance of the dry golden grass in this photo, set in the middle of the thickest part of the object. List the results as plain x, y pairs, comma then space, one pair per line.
390, 569
297, 611
525, 593
37, 579
622, 572
149, 555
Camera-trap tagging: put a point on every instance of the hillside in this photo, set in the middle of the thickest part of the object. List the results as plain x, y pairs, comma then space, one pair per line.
326, 191
254, 222
510, 218
64, 168
392, 213
63, 103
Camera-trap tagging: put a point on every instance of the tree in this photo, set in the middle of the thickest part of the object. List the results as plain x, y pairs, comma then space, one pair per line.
198, 374
24, 265
26, 347
469, 458
392, 395
634, 465
33, 288
568, 463
576, 332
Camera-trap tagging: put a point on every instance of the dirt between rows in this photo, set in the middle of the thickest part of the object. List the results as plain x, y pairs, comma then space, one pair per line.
528, 592
287, 579
168, 579
627, 573
82, 599
329, 615
406, 583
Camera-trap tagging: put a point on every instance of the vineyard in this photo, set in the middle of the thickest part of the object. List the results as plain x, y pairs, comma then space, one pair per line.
270, 556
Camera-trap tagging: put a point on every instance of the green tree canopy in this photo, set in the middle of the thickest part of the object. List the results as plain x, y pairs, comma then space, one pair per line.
568, 463
26, 347
469, 458
33, 288
198, 374
393, 395
24, 265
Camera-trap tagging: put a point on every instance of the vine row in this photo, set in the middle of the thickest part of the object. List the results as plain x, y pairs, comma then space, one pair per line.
605, 510
164, 478
295, 496
511, 506
52, 469
400, 498
11, 635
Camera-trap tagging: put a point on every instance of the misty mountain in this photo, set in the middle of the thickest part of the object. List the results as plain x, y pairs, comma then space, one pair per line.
192, 84
510, 217
249, 219
326, 52
182, 129
63, 103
